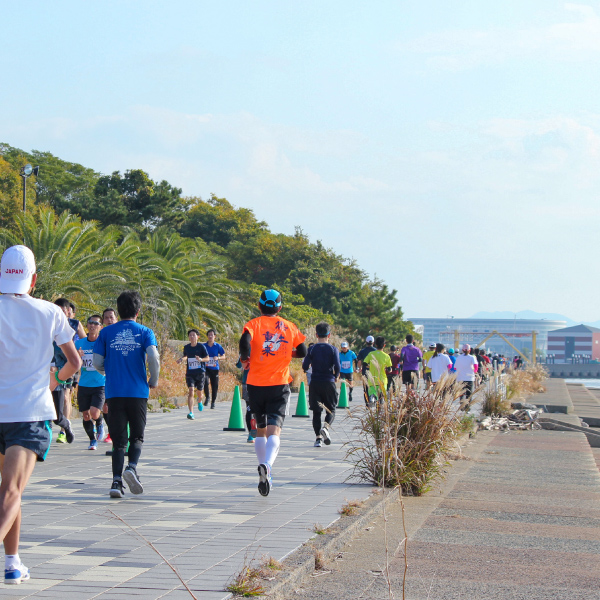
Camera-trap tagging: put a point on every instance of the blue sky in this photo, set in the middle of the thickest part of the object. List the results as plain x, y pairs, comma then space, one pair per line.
451, 148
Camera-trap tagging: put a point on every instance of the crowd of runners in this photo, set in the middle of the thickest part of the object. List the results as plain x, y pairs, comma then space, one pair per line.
113, 366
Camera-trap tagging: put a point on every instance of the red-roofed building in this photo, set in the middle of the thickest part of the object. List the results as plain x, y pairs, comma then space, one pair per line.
571, 341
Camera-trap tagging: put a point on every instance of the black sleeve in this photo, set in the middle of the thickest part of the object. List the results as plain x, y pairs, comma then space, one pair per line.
245, 346
300, 350
203, 351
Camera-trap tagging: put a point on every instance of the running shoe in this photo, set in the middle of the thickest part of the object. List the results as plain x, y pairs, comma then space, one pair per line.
61, 438
200, 407
69, 435
250, 439
206, 402
93, 445
325, 435
264, 479
100, 433
107, 439
318, 443
16, 576
133, 481
190, 416
116, 489
212, 405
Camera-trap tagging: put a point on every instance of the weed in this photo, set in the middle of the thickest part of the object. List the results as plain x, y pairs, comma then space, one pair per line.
320, 529
494, 403
271, 563
466, 423
351, 508
246, 583
319, 560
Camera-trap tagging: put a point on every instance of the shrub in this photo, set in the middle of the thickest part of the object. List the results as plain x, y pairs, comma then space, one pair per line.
403, 441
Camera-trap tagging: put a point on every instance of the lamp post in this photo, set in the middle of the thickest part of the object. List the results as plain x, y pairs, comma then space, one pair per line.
26, 171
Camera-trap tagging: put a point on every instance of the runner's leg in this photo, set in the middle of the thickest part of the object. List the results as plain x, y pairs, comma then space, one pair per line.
118, 432
136, 416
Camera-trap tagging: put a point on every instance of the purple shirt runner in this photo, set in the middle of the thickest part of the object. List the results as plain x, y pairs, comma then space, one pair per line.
410, 357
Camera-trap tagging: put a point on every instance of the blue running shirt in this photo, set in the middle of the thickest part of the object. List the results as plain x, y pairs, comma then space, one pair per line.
214, 350
123, 346
89, 376
347, 361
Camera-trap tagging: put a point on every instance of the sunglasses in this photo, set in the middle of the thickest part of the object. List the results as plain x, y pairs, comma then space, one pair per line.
94, 323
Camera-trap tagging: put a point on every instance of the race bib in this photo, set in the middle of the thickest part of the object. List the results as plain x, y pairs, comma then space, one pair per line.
346, 364
211, 363
87, 363
193, 363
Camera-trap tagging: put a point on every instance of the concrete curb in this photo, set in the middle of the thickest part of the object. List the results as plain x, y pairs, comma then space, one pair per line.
301, 562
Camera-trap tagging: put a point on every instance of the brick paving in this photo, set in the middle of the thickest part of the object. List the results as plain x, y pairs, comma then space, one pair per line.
200, 509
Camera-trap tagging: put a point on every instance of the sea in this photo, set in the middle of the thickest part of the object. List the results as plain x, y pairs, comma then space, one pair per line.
589, 383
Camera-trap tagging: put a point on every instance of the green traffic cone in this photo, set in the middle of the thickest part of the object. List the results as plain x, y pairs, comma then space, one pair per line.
302, 406
343, 399
236, 419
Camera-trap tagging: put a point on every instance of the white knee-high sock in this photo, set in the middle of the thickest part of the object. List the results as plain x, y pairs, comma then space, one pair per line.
260, 447
272, 449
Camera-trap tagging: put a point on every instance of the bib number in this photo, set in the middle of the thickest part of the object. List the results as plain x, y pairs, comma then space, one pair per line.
211, 363
87, 363
193, 363
346, 364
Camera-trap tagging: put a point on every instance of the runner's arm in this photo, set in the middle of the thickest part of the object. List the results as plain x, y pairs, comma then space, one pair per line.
80, 330
244, 345
153, 365
299, 351
98, 362
70, 367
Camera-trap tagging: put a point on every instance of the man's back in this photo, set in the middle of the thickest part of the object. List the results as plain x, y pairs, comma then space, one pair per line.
410, 357
28, 326
123, 346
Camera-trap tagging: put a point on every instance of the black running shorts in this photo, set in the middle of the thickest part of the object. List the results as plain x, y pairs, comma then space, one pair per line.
409, 377
90, 396
347, 376
195, 379
270, 404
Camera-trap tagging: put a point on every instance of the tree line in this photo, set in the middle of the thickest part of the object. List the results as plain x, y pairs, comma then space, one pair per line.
197, 262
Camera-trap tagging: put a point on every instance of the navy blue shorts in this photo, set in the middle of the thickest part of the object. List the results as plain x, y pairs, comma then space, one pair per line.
35, 436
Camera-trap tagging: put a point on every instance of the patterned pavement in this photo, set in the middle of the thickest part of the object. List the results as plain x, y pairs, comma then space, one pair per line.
201, 510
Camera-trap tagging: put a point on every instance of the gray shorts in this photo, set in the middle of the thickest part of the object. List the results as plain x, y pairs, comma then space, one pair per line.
34, 435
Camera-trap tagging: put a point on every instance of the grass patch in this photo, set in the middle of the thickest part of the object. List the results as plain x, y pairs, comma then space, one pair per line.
320, 529
246, 583
351, 508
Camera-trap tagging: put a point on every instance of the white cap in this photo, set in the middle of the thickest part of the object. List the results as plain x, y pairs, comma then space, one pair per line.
344, 344
370, 339
16, 269
466, 348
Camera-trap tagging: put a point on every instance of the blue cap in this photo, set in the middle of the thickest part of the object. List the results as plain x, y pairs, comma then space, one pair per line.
271, 298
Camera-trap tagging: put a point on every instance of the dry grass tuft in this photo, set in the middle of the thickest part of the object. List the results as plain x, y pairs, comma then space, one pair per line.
247, 583
320, 529
494, 403
351, 508
319, 560
402, 441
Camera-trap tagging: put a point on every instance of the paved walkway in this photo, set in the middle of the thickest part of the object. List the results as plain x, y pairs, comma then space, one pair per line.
520, 520
201, 510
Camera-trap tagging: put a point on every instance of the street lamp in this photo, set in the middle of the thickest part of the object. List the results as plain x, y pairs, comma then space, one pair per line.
26, 171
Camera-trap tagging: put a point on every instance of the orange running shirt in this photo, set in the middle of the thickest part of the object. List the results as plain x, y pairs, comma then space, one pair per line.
273, 340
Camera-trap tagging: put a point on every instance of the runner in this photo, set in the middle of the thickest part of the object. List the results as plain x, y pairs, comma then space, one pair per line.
322, 392
393, 375
109, 317
90, 395
452, 359
348, 366
439, 363
66, 391
466, 368
426, 369
270, 343
215, 353
410, 356
362, 366
28, 327
120, 353
380, 366
195, 355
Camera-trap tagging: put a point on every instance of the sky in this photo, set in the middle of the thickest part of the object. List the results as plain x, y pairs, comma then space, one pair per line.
451, 148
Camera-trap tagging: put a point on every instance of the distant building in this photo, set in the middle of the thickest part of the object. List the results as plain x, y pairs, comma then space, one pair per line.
580, 340
473, 331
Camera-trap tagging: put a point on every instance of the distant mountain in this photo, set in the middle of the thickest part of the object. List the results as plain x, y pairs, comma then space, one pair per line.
531, 314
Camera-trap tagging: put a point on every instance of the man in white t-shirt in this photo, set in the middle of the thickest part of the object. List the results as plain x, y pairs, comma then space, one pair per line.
26, 406
466, 366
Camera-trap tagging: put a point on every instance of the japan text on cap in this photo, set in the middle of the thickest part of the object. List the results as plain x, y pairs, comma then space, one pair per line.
16, 270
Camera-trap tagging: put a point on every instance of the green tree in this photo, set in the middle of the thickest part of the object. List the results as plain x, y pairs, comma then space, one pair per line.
134, 199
